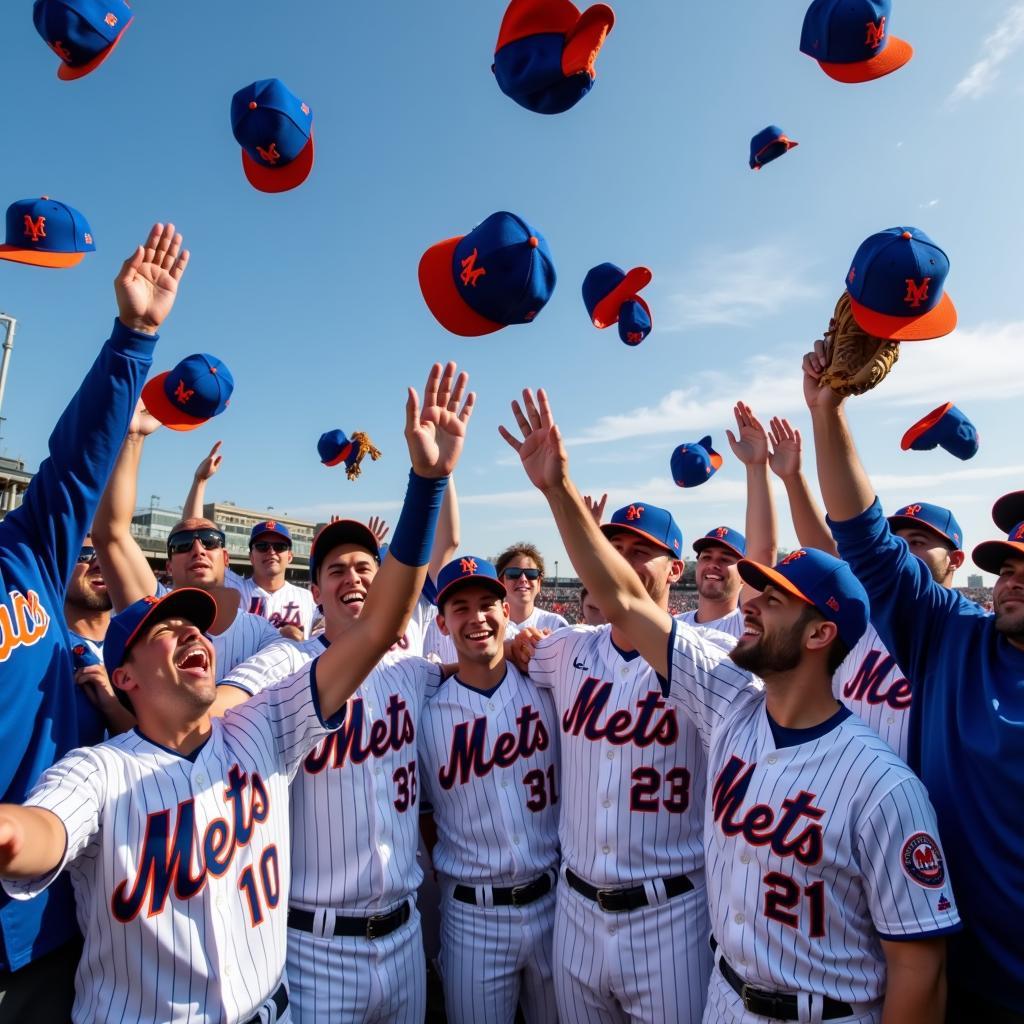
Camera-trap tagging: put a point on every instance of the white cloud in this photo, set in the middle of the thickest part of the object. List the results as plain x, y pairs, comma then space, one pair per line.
998, 48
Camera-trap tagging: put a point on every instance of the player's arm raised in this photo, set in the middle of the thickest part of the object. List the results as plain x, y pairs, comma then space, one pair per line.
434, 433
614, 585
447, 537
196, 497
915, 989
32, 841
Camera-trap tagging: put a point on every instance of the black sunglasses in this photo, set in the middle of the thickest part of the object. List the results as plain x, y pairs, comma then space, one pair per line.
515, 572
263, 546
180, 543
87, 554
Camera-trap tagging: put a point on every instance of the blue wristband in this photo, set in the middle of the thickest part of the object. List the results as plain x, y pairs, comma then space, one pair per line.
414, 535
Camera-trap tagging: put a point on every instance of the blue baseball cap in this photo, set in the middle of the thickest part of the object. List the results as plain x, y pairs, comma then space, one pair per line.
936, 518
722, 537
694, 462
607, 288
197, 606
945, 427
656, 524
46, 233
1008, 510
850, 39
465, 570
275, 130
635, 321
821, 580
546, 50
335, 448
501, 273
269, 526
896, 285
196, 390
333, 535
991, 555
83, 33
769, 144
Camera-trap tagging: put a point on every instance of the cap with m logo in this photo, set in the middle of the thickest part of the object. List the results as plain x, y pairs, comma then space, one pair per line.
851, 40
83, 33
464, 570
935, 518
197, 389
722, 537
46, 233
648, 521
897, 286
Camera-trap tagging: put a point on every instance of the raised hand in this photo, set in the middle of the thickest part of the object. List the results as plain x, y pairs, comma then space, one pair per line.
541, 450
596, 508
816, 396
148, 280
785, 458
378, 528
435, 433
751, 447
210, 464
143, 423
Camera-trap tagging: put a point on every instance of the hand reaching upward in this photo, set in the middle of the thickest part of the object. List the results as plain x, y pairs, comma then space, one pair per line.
435, 433
541, 450
147, 284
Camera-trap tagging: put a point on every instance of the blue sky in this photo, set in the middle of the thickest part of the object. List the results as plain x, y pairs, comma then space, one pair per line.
312, 300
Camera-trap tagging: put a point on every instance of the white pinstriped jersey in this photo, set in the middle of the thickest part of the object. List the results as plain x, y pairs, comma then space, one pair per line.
873, 687
539, 618
633, 767
732, 624
181, 865
247, 635
289, 605
814, 850
489, 767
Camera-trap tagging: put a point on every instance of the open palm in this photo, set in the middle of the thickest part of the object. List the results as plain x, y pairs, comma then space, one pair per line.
541, 450
786, 448
436, 432
751, 446
147, 284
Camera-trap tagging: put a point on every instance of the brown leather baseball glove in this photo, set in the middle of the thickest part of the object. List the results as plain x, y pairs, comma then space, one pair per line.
857, 361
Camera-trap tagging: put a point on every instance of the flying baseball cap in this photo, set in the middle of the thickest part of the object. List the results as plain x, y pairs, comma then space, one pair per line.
991, 555
769, 144
850, 39
83, 33
335, 448
635, 321
896, 285
196, 390
465, 570
823, 581
611, 294
275, 130
501, 273
197, 606
333, 535
46, 233
546, 50
936, 518
945, 427
1008, 510
694, 462
269, 526
722, 537
649, 521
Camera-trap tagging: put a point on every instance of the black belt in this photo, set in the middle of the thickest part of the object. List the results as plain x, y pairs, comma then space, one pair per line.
374, 927
777, 1005
280, 998
617, 901
511, 896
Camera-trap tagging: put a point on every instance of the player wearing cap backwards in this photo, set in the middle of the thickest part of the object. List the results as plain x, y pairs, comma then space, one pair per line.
965, 668
826, 882
40, 543
488, 750
176, 835
869, 681
290, 609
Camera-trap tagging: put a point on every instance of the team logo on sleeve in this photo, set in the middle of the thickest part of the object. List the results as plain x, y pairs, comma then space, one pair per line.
922, 861
943, 904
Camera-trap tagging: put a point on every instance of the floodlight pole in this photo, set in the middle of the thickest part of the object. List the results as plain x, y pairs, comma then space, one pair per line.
5, 360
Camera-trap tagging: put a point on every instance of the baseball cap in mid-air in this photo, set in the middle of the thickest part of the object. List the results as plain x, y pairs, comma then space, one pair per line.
612, 295
501, 273
850, 39
341, 531
769, 144
546, 50
270, 526
461, 572
197, 606
897, 286
334, 448
991, 555
196, 390
945, 427
275, 130
83, 33
936, 518
695, 462
649, 521
46, 233
1008, 510
823, 581
722, 537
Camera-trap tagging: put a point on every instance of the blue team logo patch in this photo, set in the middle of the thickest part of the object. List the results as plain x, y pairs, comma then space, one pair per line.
922, 861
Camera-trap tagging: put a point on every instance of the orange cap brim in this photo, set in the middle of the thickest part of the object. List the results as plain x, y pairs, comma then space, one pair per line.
586, 39
442, 297
279, 179
897, 52
341, 456
157, 403
936, 323
924, 424
606, 312
758, 576
38, 258
991, 555
69, 73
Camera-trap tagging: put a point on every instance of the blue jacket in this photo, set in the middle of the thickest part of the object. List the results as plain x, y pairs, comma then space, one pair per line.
39, 545
966, 742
